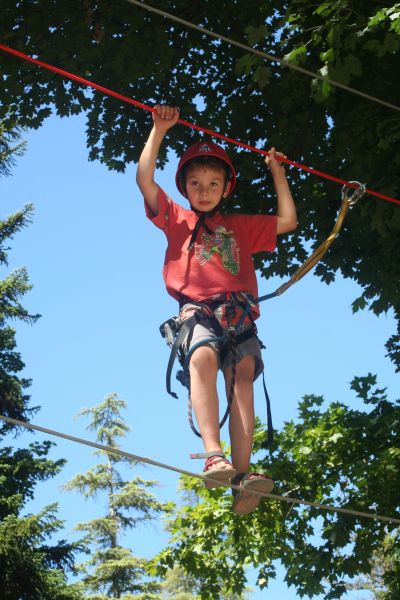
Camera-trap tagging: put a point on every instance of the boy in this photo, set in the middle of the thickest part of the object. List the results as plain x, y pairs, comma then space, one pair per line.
208, 268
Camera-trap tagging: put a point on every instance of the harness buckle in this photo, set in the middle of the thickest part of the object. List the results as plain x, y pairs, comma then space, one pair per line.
169, 329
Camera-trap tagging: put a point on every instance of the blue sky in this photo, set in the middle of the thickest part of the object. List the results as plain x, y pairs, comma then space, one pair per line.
95, 263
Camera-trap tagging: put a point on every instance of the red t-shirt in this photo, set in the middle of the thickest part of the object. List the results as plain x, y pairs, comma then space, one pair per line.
218, 263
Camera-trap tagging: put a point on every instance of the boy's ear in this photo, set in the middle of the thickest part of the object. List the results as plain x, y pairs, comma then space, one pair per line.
227, 188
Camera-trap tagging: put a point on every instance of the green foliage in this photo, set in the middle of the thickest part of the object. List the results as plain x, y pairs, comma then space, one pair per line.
29, 568
393, 347
13, 400
10, 148
383, 579
179, 585
337, 456
15, 285
112, 570
20, 471
10, 226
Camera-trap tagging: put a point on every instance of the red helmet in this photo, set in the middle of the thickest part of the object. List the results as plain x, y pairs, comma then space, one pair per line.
204, 148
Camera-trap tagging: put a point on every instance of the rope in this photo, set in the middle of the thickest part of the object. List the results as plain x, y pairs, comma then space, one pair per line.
270, 57
136, 458
210, 132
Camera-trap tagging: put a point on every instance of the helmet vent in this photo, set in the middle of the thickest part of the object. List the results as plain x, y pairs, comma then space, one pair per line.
205, 148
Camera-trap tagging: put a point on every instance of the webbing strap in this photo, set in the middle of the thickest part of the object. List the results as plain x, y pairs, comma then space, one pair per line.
311, 261
270, 427
184, 329
315, 257
201, 222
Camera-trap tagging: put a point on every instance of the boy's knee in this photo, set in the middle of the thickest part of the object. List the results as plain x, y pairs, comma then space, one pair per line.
204, 359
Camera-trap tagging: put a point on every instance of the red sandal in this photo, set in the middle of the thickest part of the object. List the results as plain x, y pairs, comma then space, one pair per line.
215, 476
244, 503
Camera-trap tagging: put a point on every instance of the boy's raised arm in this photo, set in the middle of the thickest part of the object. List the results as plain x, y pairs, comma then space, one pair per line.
164, 118
286, 212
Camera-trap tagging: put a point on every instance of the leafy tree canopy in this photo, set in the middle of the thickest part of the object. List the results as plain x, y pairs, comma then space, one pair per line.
227, 89
337, 456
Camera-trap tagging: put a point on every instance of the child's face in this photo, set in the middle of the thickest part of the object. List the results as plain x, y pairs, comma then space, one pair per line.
205, 187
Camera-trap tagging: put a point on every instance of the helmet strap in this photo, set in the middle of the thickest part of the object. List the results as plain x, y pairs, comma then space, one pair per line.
201, 223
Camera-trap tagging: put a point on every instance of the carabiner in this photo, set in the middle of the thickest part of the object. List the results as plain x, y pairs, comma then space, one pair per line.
357, 192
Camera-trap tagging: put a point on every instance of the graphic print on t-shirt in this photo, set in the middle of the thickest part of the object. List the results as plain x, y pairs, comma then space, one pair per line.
223, 243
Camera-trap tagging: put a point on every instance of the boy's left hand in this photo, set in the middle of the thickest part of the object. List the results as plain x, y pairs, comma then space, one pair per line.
273, 163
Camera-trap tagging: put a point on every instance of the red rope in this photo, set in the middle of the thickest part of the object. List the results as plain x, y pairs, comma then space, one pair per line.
118, 96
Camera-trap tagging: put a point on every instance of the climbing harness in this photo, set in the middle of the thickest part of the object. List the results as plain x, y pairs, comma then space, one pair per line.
218, 315
175, 330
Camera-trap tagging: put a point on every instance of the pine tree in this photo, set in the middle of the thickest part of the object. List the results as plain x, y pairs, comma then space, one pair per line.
29, 567
382, 582
179, 585
113, 571
13, 400
10, 148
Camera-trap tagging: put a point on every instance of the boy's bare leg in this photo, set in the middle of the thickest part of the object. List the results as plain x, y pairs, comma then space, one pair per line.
203, 390
241, 421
